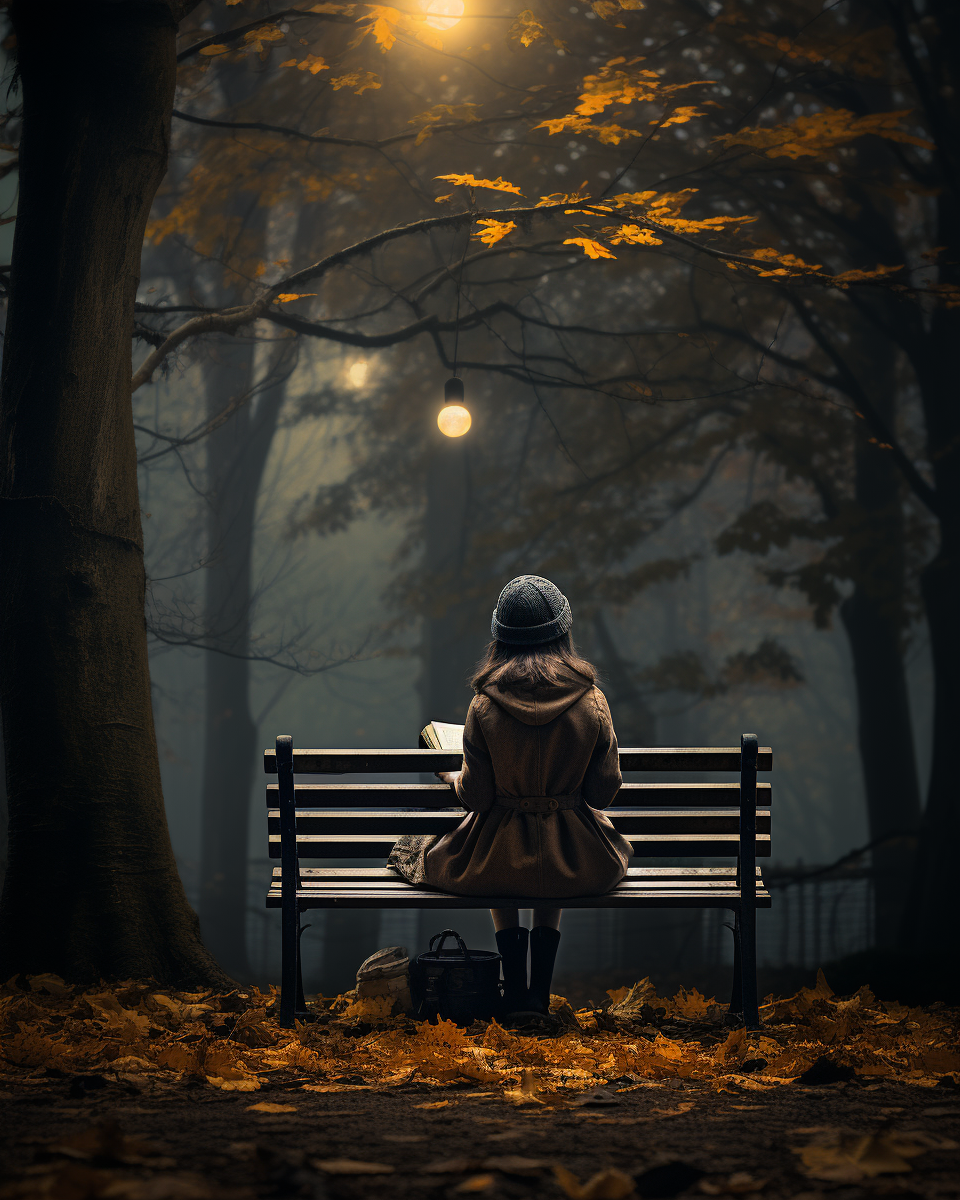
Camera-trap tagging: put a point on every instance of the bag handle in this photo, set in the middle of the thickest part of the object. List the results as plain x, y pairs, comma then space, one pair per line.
442, 937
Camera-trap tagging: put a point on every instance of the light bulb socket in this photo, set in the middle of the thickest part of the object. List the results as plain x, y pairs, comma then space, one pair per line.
453, 391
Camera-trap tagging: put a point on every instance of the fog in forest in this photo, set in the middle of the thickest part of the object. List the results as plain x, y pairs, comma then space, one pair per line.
319, 600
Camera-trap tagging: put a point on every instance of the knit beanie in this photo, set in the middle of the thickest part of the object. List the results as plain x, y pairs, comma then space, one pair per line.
530, 610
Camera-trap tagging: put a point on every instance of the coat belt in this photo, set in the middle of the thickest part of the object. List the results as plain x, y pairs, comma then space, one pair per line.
539, 804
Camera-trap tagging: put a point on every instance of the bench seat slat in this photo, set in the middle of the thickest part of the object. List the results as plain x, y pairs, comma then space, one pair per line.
439, 795
632, 873
644, 758
677, 845
407, 896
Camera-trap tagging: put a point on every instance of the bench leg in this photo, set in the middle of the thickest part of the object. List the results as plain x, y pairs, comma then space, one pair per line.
301, 1000
748, 967
290, 986
736, 995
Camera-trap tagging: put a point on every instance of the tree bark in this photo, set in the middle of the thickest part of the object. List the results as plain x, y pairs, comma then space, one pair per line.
92, 889
874, 621
932, 925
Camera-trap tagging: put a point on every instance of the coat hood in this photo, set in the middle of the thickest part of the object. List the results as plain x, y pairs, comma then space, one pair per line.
537, 708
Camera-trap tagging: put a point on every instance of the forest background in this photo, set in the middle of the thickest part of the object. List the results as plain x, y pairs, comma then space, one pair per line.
710, 391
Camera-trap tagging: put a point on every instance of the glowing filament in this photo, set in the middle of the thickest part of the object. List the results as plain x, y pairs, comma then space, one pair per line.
454, 420
443, 14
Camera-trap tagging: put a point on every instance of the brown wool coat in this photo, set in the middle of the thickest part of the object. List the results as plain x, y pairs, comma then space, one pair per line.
535, 771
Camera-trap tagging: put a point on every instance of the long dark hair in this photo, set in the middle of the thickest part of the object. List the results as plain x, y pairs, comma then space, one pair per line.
520, 669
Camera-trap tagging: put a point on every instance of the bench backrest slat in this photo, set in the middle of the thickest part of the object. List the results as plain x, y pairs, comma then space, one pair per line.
438, 795
644, 758
363, 820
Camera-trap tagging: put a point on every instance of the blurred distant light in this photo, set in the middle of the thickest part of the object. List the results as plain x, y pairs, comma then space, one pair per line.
358, 373
443, 14
454, 420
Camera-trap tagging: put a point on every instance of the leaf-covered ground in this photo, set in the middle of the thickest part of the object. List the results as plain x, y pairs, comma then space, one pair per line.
140, 1093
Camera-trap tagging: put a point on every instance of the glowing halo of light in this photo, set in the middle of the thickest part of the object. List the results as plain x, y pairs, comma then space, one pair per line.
453, 420
443, 14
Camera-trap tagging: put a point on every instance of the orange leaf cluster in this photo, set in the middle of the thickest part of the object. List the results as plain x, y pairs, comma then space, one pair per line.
495, 230
818, 133
232, 1042
385, 23
496, 185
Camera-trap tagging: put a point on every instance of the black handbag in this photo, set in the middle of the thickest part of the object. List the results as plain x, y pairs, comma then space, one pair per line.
457, 985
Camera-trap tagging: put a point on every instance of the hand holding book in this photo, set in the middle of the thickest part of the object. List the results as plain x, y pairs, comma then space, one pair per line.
439, 735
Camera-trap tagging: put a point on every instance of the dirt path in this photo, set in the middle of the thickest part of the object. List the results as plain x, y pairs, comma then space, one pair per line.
70, 1138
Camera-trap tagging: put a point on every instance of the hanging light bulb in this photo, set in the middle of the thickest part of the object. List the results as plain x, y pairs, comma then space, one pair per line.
453, 419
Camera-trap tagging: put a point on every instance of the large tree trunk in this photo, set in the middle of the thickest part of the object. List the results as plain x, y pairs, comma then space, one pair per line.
874, 620
932, 925
92, 888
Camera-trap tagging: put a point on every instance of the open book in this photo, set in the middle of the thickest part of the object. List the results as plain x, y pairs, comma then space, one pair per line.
440, 736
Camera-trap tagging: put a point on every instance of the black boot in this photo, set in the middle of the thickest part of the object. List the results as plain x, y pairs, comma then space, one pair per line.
512, 944
544, 942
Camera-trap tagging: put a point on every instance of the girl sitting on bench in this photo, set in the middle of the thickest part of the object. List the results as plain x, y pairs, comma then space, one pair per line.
539, 760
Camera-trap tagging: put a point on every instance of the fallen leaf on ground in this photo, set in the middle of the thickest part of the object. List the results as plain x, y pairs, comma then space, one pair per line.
738, 1184
268, 1106
451, 1166
514, 1164
108, 1142
476, 1183
527, 1092
610, 1184
851, 1157
683, 1107
433, 1104
350, 1166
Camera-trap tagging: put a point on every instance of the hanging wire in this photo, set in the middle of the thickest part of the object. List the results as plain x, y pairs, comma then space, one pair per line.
456, 319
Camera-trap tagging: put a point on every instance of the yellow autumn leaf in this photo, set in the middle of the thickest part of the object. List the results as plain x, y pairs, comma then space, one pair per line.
680, 116
265, 33
590, 248
268, 1106
495, 230
475, 1183
358, 81
370, 1008
526, 29
233, 1085
312, 63
496, 185
852, 1157
350, 1166
211, 51
49, 983
610, 1184
608, 135
382, 23
817, 133
635, 236
286, 297
442, 113
606, 10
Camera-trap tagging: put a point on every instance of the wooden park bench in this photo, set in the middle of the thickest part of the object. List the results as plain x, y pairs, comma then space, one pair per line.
661, 820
